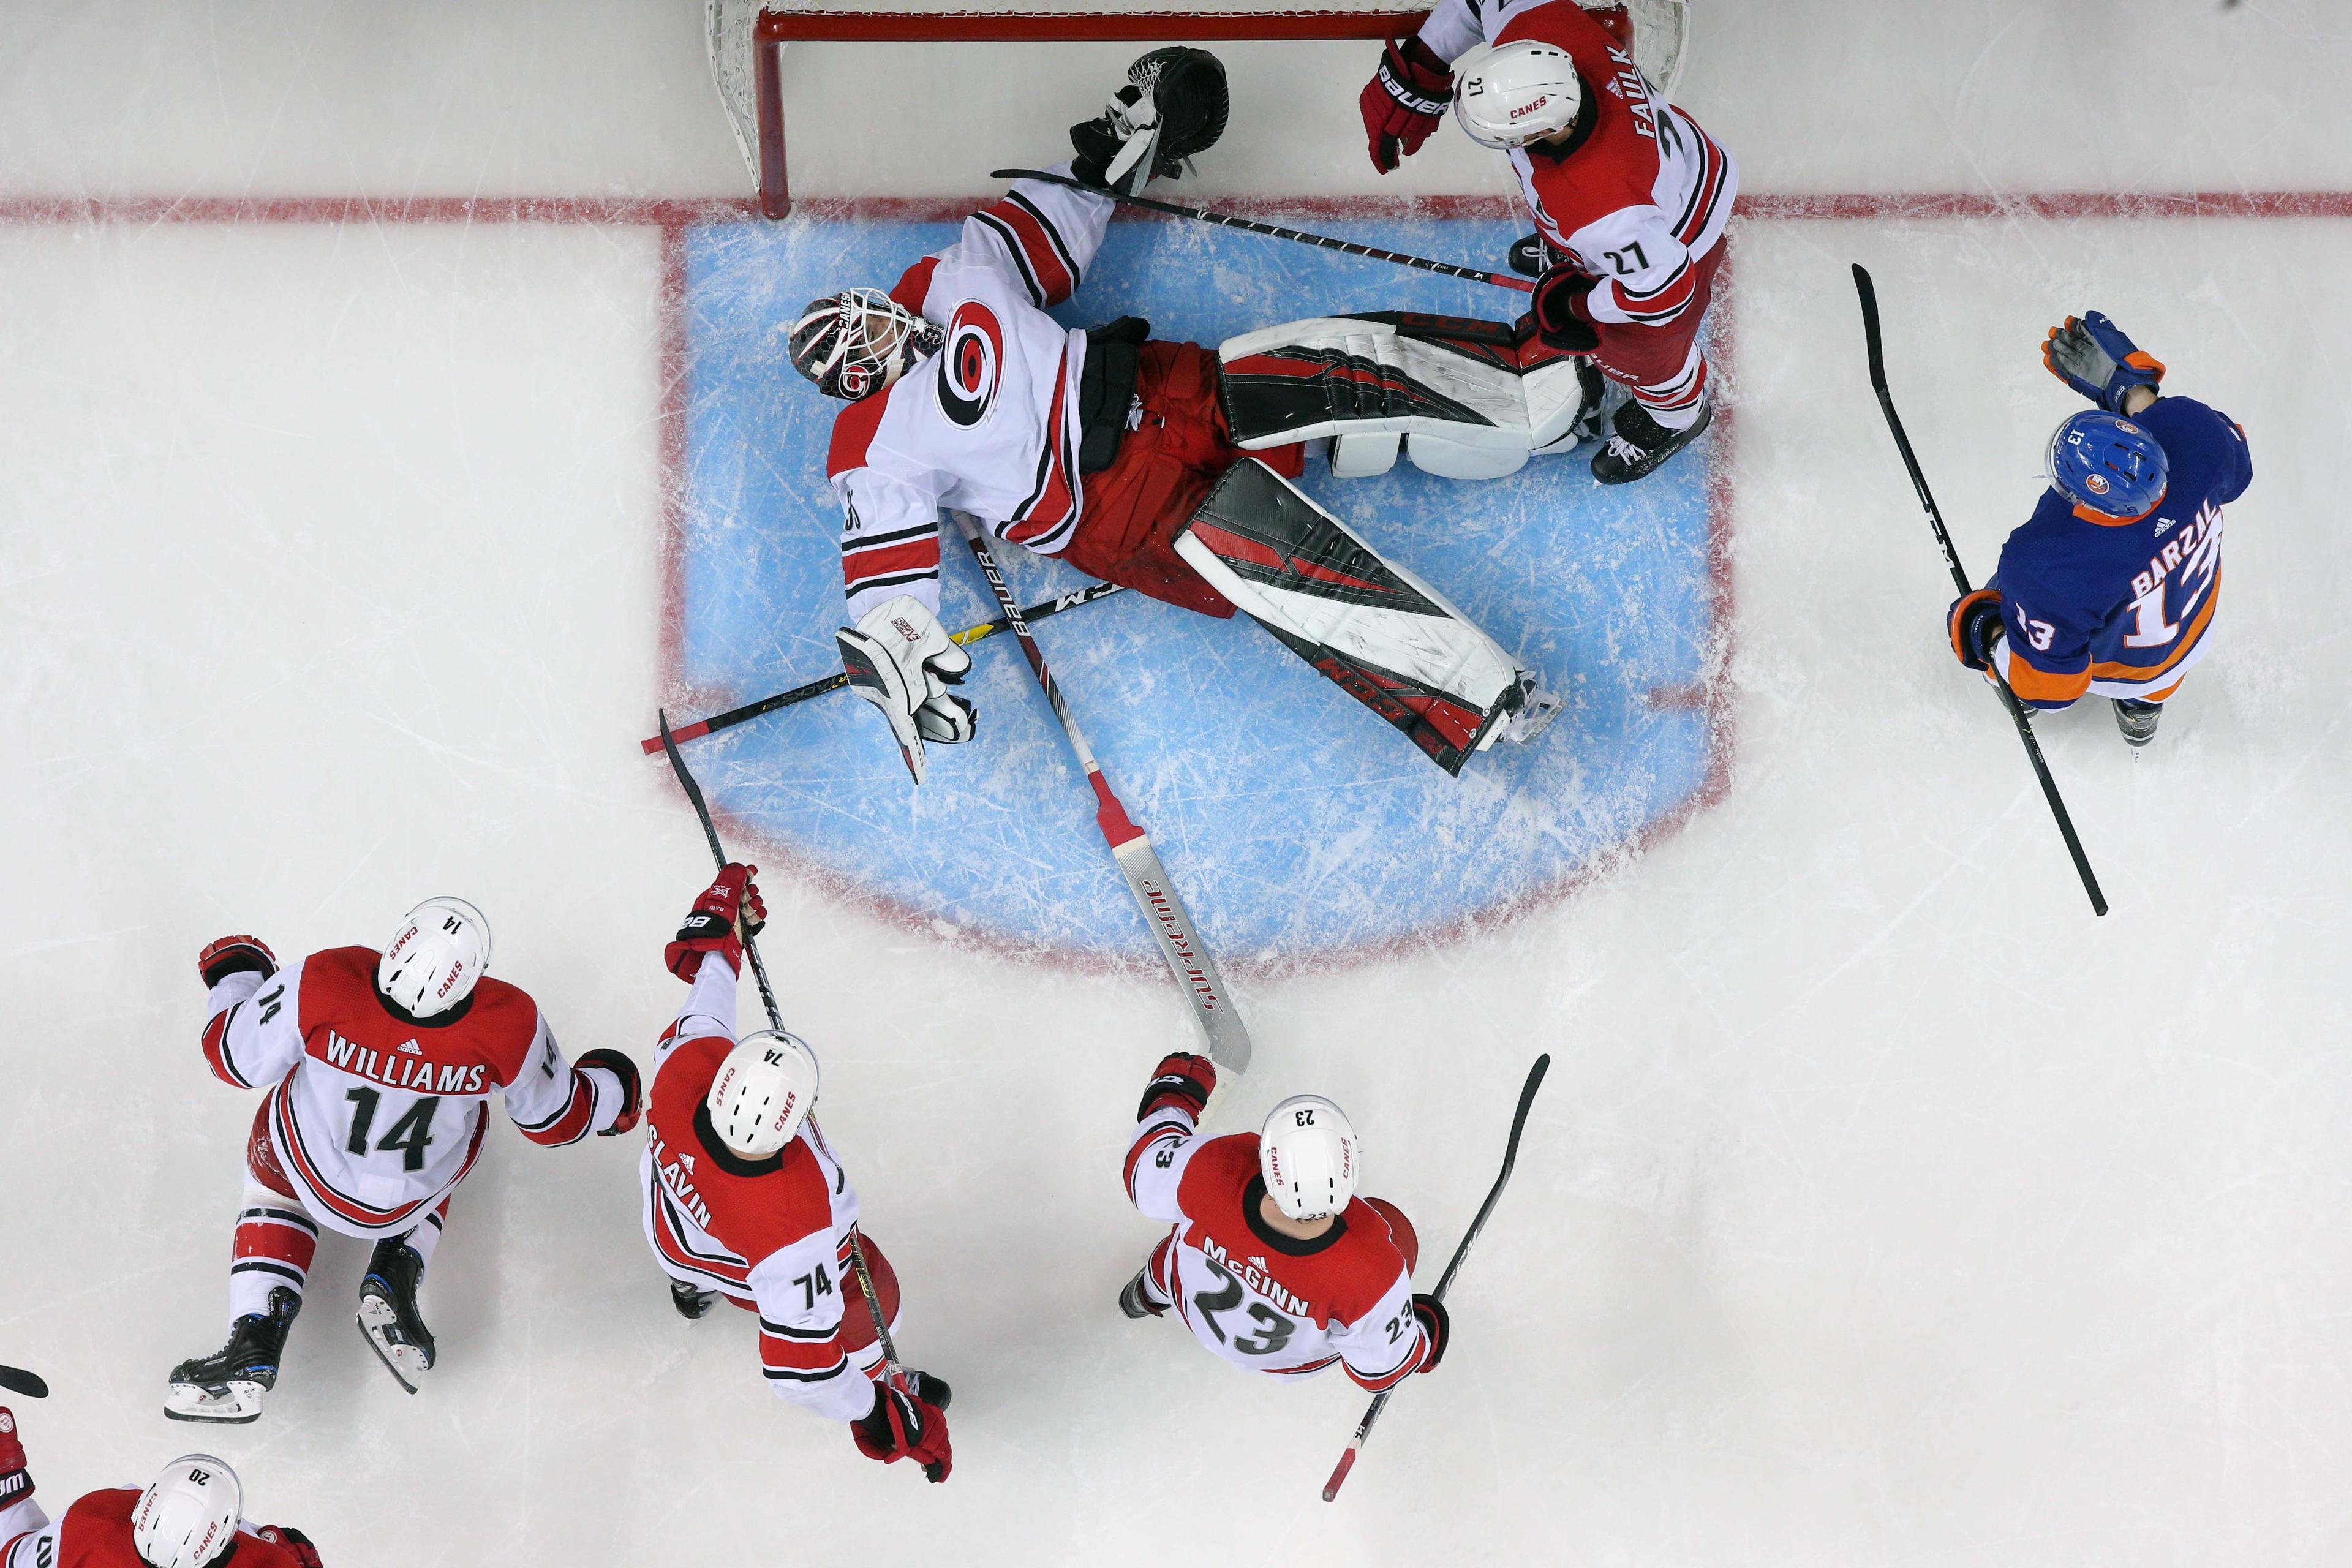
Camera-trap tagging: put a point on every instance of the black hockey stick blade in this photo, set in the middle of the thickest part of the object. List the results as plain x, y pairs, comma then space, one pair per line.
17, 1379
1445, 1281
1875, 346
693, 791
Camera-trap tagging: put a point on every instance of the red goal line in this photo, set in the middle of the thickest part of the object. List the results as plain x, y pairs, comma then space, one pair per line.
1080, 26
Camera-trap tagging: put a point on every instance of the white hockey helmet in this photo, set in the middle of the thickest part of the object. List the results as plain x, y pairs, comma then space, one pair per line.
1309, 1153
858, 343
188, 1517
1521, 92
764, 1092
430, 965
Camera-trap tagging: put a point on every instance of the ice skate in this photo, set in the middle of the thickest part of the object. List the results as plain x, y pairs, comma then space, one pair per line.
388, 1317
692, 1304
1135, 1300
2137, 719
1641, 445
229, 1385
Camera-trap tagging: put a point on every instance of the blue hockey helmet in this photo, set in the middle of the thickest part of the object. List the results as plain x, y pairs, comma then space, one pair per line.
2107, 464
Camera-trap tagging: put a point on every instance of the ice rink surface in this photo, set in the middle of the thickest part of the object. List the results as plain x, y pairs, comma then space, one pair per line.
1882, 1207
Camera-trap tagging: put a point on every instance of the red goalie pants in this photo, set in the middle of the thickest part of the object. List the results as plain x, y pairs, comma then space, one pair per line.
1664, 367
1164, 470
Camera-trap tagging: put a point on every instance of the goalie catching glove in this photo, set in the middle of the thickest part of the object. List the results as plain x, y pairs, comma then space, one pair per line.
1174, 106
900, 658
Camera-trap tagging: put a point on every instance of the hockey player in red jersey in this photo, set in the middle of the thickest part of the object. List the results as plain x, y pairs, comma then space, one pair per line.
1115, 452
1274, 1263
1630, 195
745, 1199
378, 1068
189, 1517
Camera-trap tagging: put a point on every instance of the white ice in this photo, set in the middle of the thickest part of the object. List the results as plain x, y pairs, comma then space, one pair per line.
1881, 1208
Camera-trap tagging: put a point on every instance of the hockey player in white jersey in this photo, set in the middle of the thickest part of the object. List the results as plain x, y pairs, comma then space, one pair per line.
745, 1199
1274, 1263
378, 1068
1115, 453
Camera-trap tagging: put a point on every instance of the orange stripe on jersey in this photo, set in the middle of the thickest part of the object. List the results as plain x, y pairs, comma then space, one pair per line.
2035, 684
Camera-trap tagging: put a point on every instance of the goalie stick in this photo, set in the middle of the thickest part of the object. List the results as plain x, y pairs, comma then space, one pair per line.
1163, 909
1876, 351
17, 1379
891, 1366
1445, 1280
652, 744
1251, 226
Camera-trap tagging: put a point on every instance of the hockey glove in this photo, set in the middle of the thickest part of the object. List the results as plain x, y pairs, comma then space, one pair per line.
226, 955
1183, 1080
1563, 317
727, 911
16, 1473
1436, 1325
2091, 354
900, 658
1976, 627
296, 1544
632, 1094
1404, 101
905, 1427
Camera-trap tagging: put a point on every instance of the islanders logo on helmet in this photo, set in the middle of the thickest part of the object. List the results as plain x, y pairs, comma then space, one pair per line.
2111, 469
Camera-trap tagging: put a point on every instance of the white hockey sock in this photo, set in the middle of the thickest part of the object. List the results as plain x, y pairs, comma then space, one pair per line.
276, 1240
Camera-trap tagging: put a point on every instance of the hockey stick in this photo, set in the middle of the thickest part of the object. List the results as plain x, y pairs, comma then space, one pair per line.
1251, 226
1445, 1280
839, 678
1163, 909
891, 1366
1869, 293
17, 1379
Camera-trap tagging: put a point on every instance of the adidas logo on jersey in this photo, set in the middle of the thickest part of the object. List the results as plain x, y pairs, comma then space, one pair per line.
687, 1161
411, 1048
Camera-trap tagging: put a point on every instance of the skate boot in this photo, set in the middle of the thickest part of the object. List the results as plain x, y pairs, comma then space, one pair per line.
1136, 1301
1530, 256
2137, 719
1641, 444
393, 1328
1536, 711
692, 1304
229, 1386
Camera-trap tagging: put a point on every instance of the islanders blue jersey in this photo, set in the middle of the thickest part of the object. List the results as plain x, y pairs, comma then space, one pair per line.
2094, 604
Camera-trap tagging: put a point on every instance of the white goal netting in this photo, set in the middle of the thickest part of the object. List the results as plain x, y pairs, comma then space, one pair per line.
1661, 40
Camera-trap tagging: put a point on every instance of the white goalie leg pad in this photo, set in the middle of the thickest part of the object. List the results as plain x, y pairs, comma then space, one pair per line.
1393, 641
1468, 399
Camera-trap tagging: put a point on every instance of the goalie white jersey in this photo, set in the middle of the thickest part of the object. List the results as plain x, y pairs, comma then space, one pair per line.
989, 425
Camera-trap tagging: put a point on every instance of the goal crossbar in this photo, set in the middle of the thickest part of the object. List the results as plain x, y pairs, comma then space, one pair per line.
1082, 27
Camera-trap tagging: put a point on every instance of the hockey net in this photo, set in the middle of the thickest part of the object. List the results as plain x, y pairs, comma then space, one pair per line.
748, 39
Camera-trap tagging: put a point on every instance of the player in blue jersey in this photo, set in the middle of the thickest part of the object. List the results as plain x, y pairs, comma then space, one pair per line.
2108, 589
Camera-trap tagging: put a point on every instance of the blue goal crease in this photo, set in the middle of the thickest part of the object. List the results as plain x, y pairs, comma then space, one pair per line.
1292, 820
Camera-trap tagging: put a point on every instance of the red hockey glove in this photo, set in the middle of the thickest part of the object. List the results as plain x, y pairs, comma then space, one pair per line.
226, 955
1616, 21
1975, 625
15, 1475
296, 1544
1184, 1080
1405, 101
1563, 315
632, 1098
905, 1427
728, 911
1436, 1325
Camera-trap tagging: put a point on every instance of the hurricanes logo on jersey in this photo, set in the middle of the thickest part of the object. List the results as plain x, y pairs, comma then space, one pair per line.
970, 362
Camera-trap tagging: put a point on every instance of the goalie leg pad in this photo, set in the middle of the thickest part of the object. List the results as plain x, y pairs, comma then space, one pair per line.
1383, 634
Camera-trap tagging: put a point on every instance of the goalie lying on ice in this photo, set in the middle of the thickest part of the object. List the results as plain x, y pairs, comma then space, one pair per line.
1157, 466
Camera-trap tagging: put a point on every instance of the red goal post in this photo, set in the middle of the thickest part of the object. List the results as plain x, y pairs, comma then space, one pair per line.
747, 41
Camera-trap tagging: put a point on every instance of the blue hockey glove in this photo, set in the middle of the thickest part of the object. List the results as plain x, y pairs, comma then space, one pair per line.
2091, 354
1975, 624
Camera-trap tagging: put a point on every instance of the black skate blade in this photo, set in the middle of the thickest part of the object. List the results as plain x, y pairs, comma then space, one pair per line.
390, 1365
171, 1415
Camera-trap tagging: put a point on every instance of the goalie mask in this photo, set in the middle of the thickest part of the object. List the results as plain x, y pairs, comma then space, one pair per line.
858, 343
